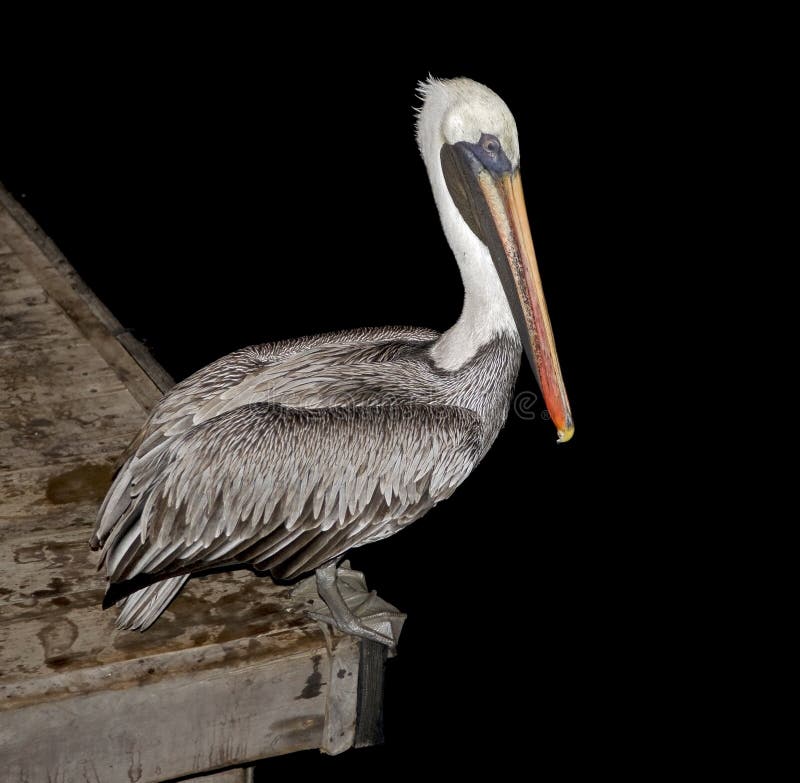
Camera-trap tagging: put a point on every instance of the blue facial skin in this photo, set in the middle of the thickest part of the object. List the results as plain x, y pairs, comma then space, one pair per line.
486, 154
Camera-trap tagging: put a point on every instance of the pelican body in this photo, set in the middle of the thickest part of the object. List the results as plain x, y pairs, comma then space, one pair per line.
284, 456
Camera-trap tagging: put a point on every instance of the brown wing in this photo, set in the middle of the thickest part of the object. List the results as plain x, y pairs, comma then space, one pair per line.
297, 373
283, 488
287, 372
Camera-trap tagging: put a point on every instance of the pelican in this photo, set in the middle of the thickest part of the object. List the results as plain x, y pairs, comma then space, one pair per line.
284, 456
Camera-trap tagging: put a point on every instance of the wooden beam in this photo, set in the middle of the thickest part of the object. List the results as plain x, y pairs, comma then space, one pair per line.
151, 720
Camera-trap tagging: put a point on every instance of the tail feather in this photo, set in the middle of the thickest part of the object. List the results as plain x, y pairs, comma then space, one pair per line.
142, 608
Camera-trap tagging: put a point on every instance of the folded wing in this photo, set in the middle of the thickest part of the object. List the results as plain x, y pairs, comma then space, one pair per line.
285, 489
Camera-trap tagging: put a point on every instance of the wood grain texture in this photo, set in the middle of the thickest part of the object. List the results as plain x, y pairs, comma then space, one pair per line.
13, 273
44, 372
64, 431
233, 672
33, 494
34, 256
255, 701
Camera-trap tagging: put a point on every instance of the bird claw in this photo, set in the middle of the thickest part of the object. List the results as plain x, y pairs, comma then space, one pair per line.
352, 626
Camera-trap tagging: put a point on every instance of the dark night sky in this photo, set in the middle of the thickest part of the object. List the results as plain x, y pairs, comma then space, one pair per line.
212, 202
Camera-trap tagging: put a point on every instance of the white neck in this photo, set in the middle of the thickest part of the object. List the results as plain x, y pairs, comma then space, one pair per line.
486, 313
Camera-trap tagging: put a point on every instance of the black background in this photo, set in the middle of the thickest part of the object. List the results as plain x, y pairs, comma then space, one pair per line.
217, 198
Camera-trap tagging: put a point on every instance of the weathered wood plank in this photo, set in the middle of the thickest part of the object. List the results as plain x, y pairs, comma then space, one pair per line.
61, 630
232, 672
29, 560
27, 296
15, 221
57, 519
249, 705
13, 273
24, 322
84, 310
160, 377
69, 486
46, 370
63, 431
342, 705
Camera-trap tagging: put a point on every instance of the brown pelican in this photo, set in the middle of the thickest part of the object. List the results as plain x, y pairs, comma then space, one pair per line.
284, 456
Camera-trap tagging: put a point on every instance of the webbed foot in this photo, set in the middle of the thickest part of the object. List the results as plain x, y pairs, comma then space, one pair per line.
348, 606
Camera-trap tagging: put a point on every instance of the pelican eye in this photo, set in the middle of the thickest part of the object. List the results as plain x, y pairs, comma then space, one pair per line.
490, 144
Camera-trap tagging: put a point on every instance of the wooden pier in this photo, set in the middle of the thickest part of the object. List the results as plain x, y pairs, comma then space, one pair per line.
232, 673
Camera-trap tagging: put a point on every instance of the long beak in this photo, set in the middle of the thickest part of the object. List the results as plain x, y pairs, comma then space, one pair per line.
493, 206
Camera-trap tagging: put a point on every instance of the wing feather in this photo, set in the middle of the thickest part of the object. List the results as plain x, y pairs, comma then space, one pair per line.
291, 372
283, 487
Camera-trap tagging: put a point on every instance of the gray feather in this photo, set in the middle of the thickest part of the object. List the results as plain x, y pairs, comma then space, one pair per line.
286, 455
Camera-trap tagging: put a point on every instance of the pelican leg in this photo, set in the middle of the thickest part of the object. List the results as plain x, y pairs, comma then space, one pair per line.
342, 616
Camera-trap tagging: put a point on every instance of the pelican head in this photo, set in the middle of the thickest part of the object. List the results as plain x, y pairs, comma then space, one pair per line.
468, 139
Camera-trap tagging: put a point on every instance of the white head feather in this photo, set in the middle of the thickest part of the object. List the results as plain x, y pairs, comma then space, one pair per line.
456, 110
